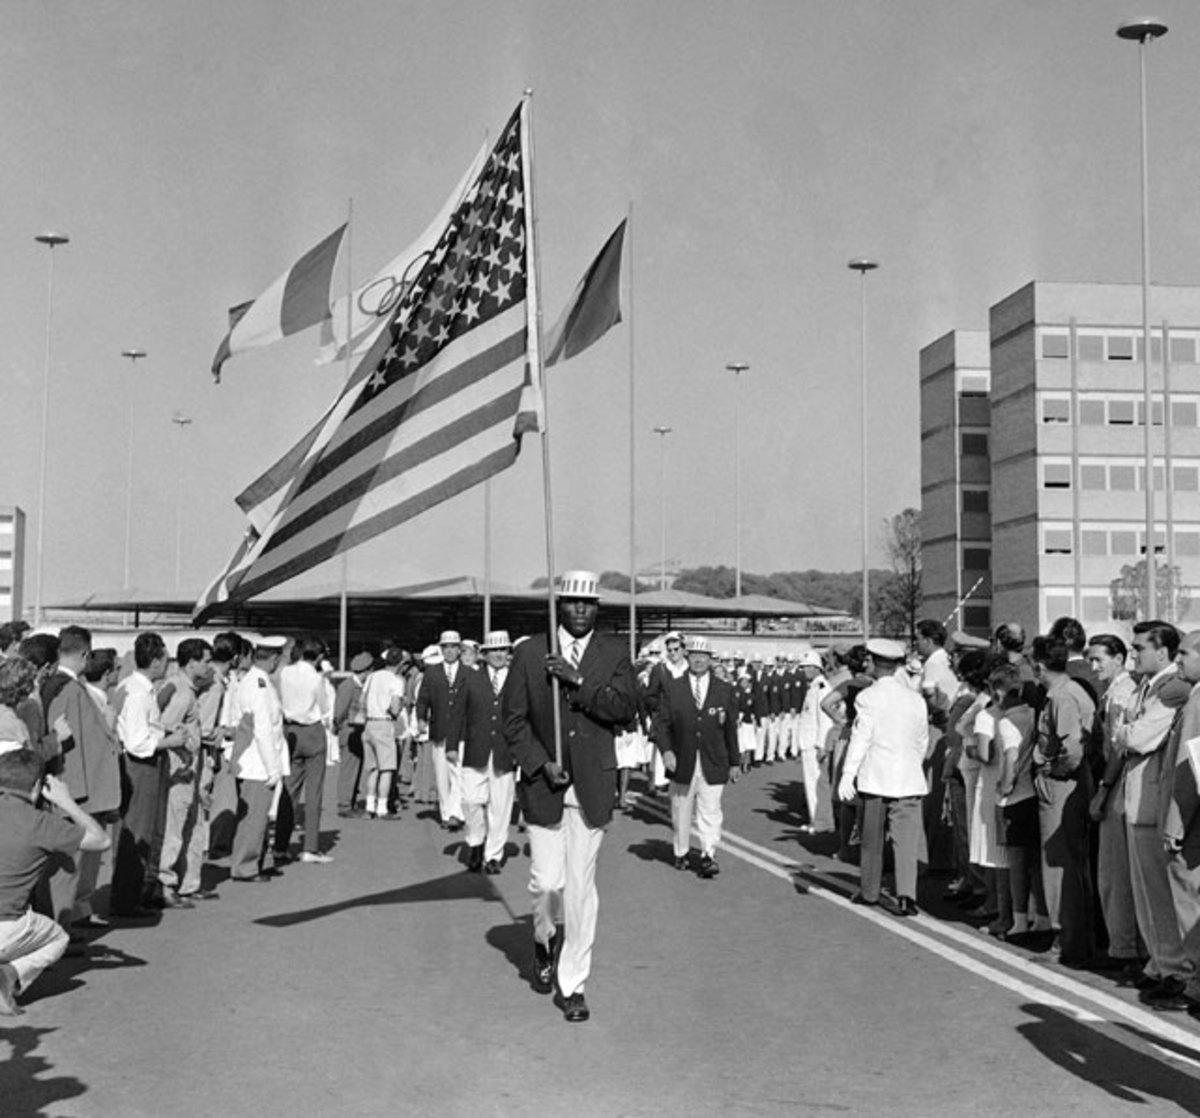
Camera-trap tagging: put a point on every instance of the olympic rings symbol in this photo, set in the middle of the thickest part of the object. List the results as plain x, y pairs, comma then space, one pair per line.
381, 297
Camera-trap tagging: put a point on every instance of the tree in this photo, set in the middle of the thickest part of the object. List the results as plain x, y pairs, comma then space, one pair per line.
1128, 592
898, 601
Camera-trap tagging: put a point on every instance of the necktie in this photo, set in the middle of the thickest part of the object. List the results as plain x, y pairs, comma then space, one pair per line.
495, 683
575, 655
696, 692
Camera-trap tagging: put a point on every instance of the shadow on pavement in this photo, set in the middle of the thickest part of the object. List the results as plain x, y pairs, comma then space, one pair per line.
515, 941
653, 850
66, 974
457, 886
22, 1090
1125, 1074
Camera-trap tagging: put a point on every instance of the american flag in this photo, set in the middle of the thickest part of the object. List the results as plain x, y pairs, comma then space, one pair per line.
438, 405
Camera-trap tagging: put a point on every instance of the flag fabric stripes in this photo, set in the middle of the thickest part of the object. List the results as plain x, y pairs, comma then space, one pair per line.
295, 301
438, 404
595, 305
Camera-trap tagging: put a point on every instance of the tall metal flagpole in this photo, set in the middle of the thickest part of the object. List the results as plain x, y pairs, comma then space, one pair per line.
133, 355
487, 556
343, 602
632, 440
531, 293
862, 266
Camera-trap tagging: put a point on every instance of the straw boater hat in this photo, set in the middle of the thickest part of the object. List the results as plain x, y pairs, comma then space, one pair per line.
496, 640
579, 584
449, 636
362, 662
699, 644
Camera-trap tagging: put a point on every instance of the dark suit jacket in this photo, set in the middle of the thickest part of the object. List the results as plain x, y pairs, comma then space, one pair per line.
483, 725
762, 704
590, 714
441, 705
775, 684
90, 765
709, 733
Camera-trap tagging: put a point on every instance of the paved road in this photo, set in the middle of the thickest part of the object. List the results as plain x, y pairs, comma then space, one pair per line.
394, 982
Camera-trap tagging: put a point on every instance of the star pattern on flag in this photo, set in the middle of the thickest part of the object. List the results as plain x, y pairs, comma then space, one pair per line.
477, 270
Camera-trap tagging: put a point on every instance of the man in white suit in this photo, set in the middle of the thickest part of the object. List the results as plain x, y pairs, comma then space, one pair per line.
884, 765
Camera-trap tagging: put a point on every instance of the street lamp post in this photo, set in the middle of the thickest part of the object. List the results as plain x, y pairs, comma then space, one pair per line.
862, 266
182, 422
134, 356
662, 432
1143, 32
737, 368
51, 241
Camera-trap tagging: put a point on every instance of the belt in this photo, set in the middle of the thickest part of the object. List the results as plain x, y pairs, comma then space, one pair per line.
1042, 770
291, 722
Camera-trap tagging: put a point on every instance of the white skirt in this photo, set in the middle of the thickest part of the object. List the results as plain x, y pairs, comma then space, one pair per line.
985, 847
633, 749
747, 738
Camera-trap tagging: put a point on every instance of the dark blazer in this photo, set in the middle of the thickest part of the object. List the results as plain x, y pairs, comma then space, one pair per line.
797, 689
591, 713
775, 685
441, 705
709, 733
91, 763
762, 704
483, 725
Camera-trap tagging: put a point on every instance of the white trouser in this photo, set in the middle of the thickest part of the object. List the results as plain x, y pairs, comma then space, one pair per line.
562, 876
747, 738
30, 943
487, 798
660, 772
449, 782
790, 745
704, 801
760, 740
774, 726
811, 771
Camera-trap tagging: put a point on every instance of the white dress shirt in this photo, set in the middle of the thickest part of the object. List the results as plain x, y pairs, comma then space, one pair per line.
266, 757
302, 692
138, 724
567, 644
699, 686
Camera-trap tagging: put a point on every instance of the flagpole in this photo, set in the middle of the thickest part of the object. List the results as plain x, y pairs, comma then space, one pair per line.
632, 452
487, 556
536, 366
343, 604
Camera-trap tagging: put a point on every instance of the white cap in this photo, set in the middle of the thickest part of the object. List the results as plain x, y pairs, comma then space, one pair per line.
579, 584
810, 658
468, 643
699, 644
273, 644
886, 649
450, 636
496, 640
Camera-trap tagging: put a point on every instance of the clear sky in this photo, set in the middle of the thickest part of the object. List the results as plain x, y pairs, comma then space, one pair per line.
193, 151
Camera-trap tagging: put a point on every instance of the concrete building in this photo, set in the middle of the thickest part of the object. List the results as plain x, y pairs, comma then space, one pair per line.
956, 527
1065, 443
12, 562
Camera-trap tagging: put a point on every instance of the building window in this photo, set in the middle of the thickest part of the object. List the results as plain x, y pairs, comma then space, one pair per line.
1091, 347
976, 558
1124, 543
976, 500
1183, 351
1095, 607
1187, 544
1056, 409
977, 617
1059, 604
1091, 413
1123, 478
1186, 478
1093, 477
1120, 348
1056, 345
1057, 541
974, 385
1183, 413
1160, 477
1120, 413
1056, 475
1155, 349
1156, 410
974, 443
1094, 542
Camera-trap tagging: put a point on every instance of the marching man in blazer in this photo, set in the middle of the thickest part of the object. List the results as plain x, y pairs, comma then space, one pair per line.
567, 805
488, 785
440, 707
696, 729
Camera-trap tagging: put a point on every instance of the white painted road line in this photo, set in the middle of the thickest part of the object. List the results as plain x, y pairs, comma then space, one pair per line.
937, 937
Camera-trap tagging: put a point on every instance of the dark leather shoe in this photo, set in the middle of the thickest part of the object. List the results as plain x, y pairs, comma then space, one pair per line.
474, 858
906, 906
351, 813
543, 964
254, 879
491, 867
681, 863
858, 898
454, 826
202, 895
8, 991
1146, 982
174, 900
575, 1008
1168, 994
709, 867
